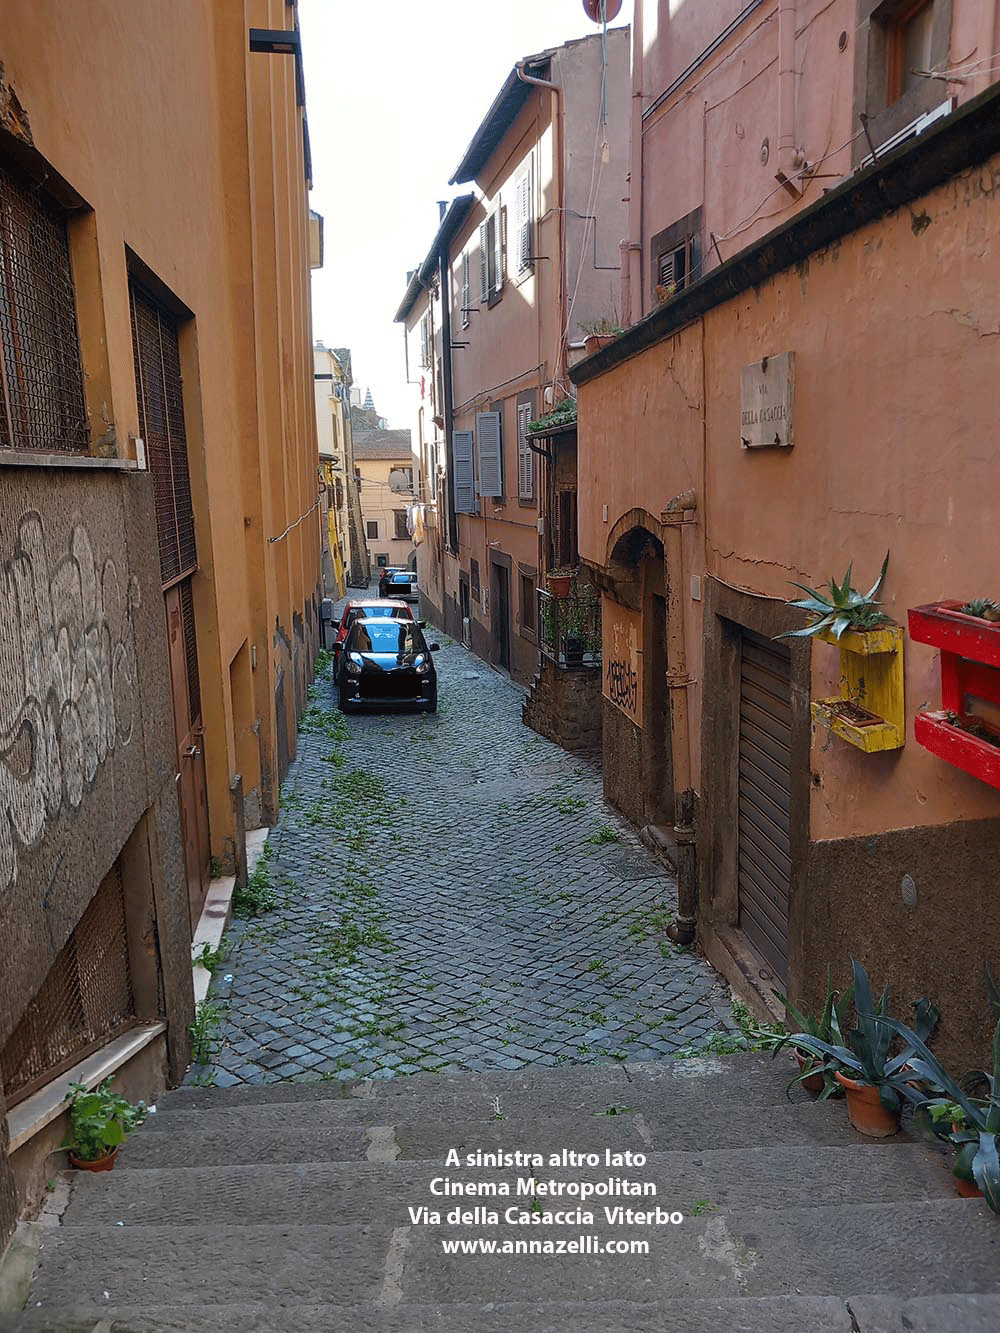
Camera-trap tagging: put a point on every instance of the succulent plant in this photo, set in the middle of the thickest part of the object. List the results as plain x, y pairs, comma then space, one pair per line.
983, 607
845, 608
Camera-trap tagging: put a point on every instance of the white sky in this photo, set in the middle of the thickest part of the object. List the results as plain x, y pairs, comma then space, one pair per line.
395, 90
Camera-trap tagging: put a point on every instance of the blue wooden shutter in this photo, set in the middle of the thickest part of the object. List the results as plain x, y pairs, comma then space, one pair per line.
523, 223
465, 480
490, 464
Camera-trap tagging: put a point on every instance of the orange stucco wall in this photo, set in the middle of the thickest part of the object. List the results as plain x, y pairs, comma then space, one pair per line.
894, 450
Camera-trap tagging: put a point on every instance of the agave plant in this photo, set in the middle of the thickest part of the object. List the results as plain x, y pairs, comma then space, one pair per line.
974, 1122
826, 1026
845, 608
982, 607
863, 1052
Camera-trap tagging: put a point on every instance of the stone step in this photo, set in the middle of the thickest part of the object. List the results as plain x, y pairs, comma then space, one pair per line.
937, 1247
784, 1314
751, 1079
429, 1130
958, 1313
359, 1192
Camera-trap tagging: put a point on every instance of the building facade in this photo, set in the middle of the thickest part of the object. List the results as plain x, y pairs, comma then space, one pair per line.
384, 463
812, 279
159, 529
521, 269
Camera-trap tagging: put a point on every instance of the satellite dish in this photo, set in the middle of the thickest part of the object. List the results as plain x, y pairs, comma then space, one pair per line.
593, 9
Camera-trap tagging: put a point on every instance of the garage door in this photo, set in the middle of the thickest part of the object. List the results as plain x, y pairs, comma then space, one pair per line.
764, 783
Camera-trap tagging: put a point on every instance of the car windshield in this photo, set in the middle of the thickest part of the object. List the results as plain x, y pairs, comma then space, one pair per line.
381, 611
381, 636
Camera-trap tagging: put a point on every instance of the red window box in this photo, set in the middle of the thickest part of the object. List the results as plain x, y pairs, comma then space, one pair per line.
970, 670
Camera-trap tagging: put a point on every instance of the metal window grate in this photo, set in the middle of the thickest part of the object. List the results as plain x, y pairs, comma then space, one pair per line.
161, 419
42, 404
191, 651
85, 1000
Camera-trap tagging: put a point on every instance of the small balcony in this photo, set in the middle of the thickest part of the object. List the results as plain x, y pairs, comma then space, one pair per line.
569, 628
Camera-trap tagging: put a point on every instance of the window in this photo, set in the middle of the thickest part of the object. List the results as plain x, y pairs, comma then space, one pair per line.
42, 404
371, 527
675, 253
381, 561
400, 532
466, 291
528, 603
525, 456
425, 341
908, 48
894, 38
491, 258
474, 576
567, 554
339, 492
523, 224
488, 441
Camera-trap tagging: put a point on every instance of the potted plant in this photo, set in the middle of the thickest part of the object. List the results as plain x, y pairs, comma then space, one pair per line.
560, 581
99, 1121
875, 1081
826, 1026
844, 610
599, 332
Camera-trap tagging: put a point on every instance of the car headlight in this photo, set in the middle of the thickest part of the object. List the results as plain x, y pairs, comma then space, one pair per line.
422, 666
353, 665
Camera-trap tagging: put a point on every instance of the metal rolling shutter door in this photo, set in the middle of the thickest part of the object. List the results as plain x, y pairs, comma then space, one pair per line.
764, 787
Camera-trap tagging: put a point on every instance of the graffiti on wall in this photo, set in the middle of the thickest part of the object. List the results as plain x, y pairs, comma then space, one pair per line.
622, 659
68, 681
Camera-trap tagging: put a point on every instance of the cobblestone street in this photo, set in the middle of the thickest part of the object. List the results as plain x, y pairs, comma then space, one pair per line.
452, 894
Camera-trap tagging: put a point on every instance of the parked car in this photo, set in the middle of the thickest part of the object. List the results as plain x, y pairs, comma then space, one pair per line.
360, 610
387, 661
402, 583
383, 577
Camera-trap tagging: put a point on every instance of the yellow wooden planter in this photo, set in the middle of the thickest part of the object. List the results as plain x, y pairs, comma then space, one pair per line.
869, 711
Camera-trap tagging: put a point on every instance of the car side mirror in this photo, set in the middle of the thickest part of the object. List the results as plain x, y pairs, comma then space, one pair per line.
422, 624
435, 647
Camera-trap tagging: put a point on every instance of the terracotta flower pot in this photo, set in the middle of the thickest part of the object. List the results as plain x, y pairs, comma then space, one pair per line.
104, 1163
965, 1189
865, 1111
814, 1083
559, 585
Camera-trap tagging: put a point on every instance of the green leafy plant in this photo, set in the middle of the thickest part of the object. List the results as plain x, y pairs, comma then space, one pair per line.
603, 835
601, 327
863, 1052
826, 1026
205, 1031
561, 415
209, 958
99, 1120
258, 894
845, 608
982, 607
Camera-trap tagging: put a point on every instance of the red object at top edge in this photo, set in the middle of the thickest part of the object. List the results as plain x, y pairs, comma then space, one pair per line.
944, 626
592, 8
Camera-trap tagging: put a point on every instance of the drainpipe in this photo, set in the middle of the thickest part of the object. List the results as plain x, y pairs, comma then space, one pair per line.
682, 931
558, 369
448, 412
791, 158
631, 252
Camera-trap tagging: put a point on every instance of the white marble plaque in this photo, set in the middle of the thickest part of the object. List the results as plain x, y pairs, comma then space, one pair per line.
767, 393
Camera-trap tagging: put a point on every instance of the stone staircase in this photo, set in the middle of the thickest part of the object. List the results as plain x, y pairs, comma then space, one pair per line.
286, 1208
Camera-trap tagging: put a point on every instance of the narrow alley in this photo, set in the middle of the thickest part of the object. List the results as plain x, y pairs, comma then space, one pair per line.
452, 893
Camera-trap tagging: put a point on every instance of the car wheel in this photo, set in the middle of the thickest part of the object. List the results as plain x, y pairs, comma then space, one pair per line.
431, 706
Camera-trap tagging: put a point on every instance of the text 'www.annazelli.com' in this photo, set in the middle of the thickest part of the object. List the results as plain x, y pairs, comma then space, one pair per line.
579, 1245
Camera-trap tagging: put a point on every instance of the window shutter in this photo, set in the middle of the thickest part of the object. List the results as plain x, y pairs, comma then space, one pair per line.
525, 458
425, 341
523, 230
498, 220
465, 482
484, 270
466, 292
490, 466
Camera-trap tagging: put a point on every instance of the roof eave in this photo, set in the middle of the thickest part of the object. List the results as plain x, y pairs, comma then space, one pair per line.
498, 120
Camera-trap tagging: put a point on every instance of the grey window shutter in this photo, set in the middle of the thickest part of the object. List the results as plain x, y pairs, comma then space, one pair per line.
484, 270
524, 222
465, 481
466, 290
525, 458
498, 221
488, 442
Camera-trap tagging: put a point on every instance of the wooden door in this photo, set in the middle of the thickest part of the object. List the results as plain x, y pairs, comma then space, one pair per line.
501, 617
192, 787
